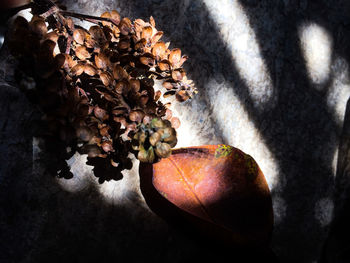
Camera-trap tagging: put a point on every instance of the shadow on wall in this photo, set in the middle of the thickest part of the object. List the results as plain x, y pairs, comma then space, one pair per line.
301, 133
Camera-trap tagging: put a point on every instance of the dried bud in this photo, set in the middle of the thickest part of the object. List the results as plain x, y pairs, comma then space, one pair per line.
155, 138
163, 150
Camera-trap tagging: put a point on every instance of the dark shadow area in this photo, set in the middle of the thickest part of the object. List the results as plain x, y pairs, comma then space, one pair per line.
337, 245
301, 132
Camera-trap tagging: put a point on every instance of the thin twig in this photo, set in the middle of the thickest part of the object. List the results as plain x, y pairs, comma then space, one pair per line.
88, 17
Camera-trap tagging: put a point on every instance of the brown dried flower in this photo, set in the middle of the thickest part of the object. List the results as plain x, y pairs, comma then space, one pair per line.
98, 89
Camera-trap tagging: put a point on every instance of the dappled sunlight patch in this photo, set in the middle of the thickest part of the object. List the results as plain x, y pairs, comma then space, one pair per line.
339, 90
82, 174
242, 42
316, 44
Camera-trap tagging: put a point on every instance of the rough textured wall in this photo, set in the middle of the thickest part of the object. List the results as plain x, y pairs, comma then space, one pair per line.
273, 78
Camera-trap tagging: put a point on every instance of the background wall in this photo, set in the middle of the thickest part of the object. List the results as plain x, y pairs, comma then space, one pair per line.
273, 80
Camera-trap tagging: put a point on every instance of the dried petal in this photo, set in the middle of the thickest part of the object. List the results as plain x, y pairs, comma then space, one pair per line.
147, 60
52, 36
182, 60
84, 133
159, 49
168, 85
121, 87
100, 113
107, 146
125, 26
175, 122
119, 73
38, 26
147, 33
113, 163
106, 78
119, 111
182, 96
140, 45
152, 22
136, 115
115, 16
134, 85
78, 69
90, 70
157, 95
97, 34
123, 44
69, 62
59, 60
104, 131
164, 65
106, 15
157, 123
82, 53
150, 155
89, 41
79, 36
156, 37
120, 120
142, 155
177, 75
168, 114
169, 93
175, 56
102, 61
143, 100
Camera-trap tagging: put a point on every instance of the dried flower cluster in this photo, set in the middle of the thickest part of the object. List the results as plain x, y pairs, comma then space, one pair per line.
96, 86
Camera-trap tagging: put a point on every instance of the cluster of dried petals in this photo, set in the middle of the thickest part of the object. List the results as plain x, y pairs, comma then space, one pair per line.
154, 140
95, 86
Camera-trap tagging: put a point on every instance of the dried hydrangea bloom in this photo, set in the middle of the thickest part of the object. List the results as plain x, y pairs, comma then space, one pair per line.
97, 90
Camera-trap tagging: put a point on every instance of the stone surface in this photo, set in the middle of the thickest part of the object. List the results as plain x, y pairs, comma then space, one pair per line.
274, 80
